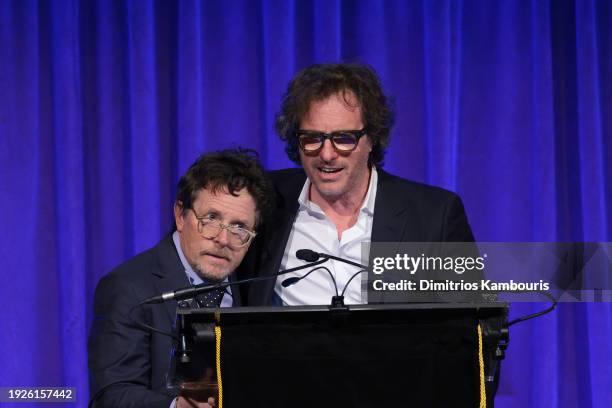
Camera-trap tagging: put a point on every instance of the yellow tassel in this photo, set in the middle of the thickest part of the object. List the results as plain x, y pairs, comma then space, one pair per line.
218, 359
483, 392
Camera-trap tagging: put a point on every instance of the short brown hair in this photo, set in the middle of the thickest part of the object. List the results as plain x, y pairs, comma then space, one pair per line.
319, 82
232, 169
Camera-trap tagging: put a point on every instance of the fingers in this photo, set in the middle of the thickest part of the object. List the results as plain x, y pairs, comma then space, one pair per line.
186, 402
182, 402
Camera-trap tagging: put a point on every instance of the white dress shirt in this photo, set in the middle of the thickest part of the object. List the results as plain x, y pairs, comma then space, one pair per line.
313, 230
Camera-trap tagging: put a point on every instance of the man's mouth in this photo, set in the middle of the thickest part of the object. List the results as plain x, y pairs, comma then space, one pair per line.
216, 256
329, 170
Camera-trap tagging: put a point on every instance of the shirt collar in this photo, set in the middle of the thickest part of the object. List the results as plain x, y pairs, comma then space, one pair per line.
368, 203
370, 199
193, 277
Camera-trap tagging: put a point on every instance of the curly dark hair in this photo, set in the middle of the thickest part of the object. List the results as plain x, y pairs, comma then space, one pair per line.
231, 169
320, 81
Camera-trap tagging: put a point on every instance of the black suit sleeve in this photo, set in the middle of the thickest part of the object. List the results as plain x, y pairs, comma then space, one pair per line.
455, 226
119, 351
457, 229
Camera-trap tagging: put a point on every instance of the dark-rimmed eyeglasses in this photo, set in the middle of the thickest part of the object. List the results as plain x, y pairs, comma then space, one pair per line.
211, 227
311, 141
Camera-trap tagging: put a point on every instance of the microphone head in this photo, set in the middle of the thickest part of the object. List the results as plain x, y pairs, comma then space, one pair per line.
290, 281
307, 255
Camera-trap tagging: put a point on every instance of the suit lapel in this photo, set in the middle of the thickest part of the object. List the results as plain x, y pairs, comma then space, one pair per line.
279, 229
171, 273
275, 247
390, 214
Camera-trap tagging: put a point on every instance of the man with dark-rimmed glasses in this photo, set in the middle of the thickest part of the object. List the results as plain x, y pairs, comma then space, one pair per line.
219, 205
335, 122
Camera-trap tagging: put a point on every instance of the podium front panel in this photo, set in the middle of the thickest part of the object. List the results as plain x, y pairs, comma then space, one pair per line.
368, 356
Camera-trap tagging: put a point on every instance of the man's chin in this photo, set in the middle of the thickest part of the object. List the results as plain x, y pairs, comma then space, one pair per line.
211, 275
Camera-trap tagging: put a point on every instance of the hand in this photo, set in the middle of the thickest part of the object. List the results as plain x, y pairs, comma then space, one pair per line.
199, 394
186, 402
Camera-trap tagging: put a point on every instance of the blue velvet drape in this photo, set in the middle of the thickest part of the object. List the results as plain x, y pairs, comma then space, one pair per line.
103, 104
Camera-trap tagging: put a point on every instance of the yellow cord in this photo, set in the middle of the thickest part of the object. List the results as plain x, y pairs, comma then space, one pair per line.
483, 393
218, 359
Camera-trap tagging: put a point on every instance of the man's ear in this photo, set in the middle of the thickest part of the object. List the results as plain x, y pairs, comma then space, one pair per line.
179, 216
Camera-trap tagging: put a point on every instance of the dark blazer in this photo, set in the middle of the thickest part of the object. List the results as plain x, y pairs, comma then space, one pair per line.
128, 365
404, 211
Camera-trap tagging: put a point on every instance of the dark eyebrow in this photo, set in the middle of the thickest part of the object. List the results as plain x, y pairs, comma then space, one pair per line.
237, 222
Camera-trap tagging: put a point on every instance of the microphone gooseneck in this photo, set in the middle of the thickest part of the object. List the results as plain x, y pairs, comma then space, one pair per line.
350, 279
191, 291
309, 255
295, 279
346, 261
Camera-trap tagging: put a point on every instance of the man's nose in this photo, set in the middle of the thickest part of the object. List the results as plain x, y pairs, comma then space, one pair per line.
223, 237
328, 152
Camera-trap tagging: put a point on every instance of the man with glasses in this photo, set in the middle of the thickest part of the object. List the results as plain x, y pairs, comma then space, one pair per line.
335, 122
219, 203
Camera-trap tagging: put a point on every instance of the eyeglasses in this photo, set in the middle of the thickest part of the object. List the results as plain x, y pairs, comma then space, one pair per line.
342, 140
211, 227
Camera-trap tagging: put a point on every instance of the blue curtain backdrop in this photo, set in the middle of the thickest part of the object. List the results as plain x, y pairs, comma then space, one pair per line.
103, 104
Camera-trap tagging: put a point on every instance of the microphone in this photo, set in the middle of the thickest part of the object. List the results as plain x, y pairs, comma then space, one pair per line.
185, 293
295, 279
191, 291
309, 255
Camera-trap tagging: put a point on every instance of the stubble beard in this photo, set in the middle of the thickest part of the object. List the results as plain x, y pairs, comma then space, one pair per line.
209, 276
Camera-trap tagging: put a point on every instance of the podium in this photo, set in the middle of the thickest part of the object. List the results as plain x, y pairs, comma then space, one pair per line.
391, 355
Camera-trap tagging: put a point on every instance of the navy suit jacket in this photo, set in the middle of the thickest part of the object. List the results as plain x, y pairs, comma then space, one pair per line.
404, 211
128, 365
